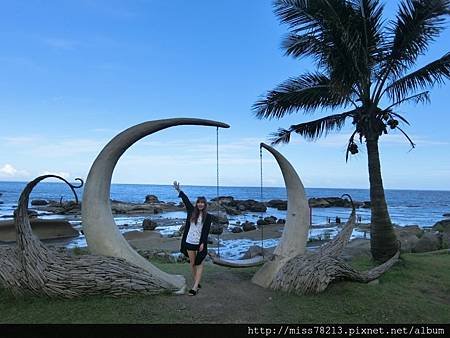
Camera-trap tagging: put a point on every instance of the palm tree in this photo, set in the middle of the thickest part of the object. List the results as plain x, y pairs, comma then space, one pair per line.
362, 62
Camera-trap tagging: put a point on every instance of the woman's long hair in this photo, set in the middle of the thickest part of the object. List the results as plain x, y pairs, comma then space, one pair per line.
196, 212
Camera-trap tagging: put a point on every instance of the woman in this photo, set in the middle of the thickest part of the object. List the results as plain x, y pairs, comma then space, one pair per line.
194, 243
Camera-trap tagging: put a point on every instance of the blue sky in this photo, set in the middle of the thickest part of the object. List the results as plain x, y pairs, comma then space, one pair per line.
75, 73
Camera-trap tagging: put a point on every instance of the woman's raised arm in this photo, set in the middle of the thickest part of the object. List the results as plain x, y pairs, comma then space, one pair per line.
184, 198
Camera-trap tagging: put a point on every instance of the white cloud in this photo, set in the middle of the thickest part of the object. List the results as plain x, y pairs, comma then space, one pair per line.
9, 171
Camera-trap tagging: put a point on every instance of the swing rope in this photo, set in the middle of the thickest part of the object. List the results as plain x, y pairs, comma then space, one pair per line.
253, 261
217, 188
261, 199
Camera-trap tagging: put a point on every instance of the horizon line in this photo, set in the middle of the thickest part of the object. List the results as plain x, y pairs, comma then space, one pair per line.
246, 186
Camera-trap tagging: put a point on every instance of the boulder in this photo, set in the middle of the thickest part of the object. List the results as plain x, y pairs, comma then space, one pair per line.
278, 204
148, 224
318, 203
262, 222
428, 242
442, 226
408, 229
366, 205
408, 241
248, 226
219, 218
281, 221
216, 229
151, 199
251, 205
223, 199
43, 228
326, 202
270, 219
231, 210
236, 230
39, 202
355, 248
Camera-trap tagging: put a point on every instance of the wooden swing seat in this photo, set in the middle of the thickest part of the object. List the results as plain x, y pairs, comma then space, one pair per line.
238, 263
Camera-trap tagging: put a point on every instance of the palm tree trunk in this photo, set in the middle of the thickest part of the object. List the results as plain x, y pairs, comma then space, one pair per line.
383, 241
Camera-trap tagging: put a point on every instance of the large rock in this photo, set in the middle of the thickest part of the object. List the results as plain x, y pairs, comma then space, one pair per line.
408, 229
279, 204
44, 229
223, 199
355, 248
216, 229
318, 203
408, 241
219, 218
366, 205
39, 202
148, 224
428, 242
248, 226
442, 226
236, 230
252, 205
326, 202
151, 199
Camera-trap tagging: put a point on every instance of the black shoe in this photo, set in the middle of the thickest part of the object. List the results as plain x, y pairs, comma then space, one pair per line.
192, 292
199, 286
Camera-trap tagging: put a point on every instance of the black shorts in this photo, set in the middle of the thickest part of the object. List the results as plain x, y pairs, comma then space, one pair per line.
192, 247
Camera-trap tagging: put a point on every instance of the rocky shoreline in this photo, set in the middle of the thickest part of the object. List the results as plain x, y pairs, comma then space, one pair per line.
146, 234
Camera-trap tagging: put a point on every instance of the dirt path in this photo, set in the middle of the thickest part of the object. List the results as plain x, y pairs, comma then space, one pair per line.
227, 296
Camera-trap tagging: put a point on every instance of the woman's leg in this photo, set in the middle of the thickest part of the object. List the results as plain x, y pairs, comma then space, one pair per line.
198, 275
192, 255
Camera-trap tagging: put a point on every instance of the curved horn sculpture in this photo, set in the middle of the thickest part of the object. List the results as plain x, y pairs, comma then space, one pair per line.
102, 234
31, 267
295, 232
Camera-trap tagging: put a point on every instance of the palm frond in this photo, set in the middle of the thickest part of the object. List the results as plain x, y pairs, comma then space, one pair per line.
327, 30
417, 24
306, 92
401, 118
413, 145
312, 130
423, 97
426, 77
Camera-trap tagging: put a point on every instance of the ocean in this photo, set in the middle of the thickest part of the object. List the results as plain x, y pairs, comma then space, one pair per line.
406, 207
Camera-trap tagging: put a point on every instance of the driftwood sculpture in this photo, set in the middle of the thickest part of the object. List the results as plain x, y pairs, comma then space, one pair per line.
312, 272
32, 268
291, 268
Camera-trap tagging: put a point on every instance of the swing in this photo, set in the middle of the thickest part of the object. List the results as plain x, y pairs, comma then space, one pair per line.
236, 263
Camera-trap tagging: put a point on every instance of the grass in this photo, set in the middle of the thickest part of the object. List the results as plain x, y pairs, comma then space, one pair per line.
416, 290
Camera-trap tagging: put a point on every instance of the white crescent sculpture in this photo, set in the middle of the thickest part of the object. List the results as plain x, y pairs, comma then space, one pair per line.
102, 234
295, 232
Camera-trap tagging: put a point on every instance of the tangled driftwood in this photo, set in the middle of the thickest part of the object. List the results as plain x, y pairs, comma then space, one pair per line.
31, 267
313, 272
